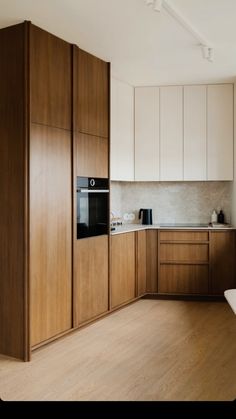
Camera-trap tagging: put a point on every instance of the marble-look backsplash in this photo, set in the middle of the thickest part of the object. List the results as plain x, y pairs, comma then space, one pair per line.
172, 202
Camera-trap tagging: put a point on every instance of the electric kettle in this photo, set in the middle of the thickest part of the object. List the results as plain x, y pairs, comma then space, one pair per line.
146, 215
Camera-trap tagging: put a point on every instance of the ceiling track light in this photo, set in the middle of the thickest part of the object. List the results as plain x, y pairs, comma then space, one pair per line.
207, 52
149, 2
158, 5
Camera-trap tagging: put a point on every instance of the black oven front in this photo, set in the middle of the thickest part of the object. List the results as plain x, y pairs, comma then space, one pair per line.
92, 207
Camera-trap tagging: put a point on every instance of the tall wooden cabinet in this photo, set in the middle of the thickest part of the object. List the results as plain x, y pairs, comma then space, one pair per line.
42, 102
35, 138
50, 185
13, 194
91, 87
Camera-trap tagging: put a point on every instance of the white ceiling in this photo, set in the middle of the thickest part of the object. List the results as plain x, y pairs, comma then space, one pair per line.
145, 47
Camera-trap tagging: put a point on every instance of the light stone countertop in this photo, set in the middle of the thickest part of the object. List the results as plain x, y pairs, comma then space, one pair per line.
128, 228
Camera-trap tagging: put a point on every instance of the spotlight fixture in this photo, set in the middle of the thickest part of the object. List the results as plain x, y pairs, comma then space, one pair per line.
157, 5
149, 2
207, 52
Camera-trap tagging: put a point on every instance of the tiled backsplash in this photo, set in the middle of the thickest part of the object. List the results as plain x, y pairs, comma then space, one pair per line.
172, 202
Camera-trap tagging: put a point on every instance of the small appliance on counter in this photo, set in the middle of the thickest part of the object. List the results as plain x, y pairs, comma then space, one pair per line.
146, 216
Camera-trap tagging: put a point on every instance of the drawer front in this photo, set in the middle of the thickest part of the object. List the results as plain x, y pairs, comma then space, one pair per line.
184, 236
183, 279
184, 252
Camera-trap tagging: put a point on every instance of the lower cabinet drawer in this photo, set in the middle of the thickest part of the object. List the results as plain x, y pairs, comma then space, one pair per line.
184, 235
184, 252
183, 279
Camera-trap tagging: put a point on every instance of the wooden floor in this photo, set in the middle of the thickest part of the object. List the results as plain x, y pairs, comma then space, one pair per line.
150, 350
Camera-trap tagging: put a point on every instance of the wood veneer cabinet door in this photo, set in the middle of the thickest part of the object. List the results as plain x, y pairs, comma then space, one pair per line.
222, 256
141, 258
122, 268
152, 260
90, 278
183, 279
91, 155
13, 192
50, 79
178, 252
50, 232
91, 94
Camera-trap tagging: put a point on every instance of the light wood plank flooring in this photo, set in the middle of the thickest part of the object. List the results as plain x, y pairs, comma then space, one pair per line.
150, 350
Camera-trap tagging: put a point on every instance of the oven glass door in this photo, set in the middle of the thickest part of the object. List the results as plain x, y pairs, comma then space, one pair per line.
92, 213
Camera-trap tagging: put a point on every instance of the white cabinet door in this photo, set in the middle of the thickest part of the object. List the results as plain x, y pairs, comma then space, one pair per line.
220, 132
171, 133
195, 143
122, 131
147, 134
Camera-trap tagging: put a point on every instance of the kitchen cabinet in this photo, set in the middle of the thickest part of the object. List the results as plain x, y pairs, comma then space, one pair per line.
183, 262
195, 130
196, 262
50, 79
50, 209
36, 189
91, 155
152, 260
184, 133
39, 161
141, 262
90, 290
13, 339
220, 132
122, 131
183, 279
171, 133
147, 138
91, 94
222, 256
123, 272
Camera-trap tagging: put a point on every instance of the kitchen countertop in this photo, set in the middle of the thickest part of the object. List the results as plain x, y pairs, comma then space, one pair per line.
128, 228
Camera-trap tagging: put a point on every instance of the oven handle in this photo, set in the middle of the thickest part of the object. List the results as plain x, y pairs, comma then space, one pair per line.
93, 191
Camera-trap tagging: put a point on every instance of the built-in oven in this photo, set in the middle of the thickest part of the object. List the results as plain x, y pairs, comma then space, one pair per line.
92, 207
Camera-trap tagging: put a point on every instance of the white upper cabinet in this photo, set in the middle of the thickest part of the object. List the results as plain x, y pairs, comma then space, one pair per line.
220, 132
122, 131
171, 133
147, 134
195, 126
